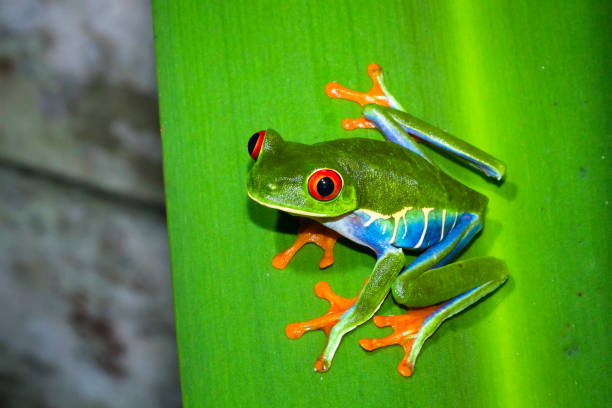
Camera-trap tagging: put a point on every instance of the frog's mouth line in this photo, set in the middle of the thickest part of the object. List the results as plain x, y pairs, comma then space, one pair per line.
287, 209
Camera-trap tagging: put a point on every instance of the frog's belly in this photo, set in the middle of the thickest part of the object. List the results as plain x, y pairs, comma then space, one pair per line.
415, 228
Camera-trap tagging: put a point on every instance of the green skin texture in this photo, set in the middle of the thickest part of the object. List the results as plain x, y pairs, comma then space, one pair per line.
394, 174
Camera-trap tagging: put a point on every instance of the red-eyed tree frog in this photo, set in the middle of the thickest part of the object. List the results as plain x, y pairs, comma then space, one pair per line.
388, 196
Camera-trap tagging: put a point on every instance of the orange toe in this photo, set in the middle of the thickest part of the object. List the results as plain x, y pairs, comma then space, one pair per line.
374, 95
337, 306
405, 330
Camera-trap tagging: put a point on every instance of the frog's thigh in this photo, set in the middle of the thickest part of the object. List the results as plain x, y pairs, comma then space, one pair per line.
440, 284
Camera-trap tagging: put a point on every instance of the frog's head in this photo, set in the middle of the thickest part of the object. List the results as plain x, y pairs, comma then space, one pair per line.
297, 178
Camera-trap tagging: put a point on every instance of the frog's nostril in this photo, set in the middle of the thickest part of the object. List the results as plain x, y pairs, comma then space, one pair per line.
272, 186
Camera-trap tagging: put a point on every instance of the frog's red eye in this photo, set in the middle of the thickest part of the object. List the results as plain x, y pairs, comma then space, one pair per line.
255, 143
324, 184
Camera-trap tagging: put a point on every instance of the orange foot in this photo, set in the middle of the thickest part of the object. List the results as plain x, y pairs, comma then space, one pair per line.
375, 95
405, 330
337, 306
309, 231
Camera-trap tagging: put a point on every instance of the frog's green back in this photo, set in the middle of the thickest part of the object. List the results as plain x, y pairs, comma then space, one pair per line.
389, 177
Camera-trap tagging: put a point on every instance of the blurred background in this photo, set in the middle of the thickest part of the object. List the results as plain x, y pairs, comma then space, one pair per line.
86, 314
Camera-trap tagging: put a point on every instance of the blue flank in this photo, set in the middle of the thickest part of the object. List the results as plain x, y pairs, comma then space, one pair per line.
378, 234
408, 234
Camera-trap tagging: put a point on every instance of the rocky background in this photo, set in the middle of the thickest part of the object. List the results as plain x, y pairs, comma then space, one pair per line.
86, 315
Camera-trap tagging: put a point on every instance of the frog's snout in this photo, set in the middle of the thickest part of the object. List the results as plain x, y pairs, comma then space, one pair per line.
258, 189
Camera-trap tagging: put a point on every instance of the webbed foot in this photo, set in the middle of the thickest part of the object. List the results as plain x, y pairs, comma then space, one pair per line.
337, 306
377, 95
407, 332
309, 231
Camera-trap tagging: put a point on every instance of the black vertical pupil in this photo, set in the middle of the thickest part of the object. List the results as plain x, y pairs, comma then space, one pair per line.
253, 142
325, 186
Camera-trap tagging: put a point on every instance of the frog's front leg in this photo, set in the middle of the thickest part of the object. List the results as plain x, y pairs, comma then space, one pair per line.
347, 314
387, 267
309, 231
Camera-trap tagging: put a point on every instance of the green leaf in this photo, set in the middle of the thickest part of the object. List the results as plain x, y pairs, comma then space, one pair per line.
525, 81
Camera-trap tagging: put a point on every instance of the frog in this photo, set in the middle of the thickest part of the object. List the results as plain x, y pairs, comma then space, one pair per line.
391, 197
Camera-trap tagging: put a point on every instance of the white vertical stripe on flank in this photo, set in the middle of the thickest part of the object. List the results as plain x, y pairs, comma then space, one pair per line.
443, 219
426, 212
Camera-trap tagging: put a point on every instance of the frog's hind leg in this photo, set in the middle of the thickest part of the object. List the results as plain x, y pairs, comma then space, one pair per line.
383, 112
377, 95
399, 127
468, 281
